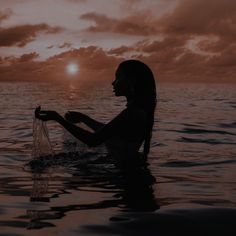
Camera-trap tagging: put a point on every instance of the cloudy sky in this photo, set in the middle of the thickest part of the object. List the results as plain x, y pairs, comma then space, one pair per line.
181, 40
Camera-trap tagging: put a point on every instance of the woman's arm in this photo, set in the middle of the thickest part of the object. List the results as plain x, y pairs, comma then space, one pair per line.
76, 117
89, 138
85, 136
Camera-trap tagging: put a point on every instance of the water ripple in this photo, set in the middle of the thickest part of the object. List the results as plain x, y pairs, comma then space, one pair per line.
206, 141
204, 131
192, 164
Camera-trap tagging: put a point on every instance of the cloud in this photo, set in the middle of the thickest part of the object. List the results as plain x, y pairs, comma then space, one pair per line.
137, 24
214, 59
215, 20
200, 17
191, 18
165, 50
174, 63
65, 45
94, 63
49, 47
193, 40
28, 57
171, 60
20, 69
21, 35
5, 14
120, 50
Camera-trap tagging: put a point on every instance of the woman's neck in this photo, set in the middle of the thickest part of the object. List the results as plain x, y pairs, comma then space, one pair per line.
130, 100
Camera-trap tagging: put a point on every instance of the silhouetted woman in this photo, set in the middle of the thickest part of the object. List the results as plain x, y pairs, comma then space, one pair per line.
125, 134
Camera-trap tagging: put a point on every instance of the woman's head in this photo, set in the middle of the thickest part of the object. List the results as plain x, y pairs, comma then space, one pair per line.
135, 80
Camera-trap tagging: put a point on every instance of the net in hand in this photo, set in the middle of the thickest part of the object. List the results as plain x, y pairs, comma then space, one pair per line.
41, 142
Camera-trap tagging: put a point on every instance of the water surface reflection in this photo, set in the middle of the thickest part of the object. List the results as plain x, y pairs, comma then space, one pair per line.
102, 184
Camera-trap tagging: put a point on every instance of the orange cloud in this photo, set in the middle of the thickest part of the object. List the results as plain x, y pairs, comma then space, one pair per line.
94, 63
28, 57
5, 14
23, 34
65, 45
202, 18
192, 42
172, 61
133, 25
120, 50
49, 47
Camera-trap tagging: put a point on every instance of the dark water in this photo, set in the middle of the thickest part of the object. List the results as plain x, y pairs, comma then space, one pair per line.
193, 158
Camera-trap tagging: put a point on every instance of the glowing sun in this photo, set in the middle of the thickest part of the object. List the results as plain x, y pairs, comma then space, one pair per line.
72, 68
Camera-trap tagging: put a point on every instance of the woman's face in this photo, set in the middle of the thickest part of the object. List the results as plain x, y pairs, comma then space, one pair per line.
121, 85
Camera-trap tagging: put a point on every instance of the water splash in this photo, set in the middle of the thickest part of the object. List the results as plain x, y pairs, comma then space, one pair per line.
41, 142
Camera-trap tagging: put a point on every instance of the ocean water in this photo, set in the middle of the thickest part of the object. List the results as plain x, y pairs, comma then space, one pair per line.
193, 159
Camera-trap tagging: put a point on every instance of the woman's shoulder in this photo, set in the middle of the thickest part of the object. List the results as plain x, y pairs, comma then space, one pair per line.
133, 108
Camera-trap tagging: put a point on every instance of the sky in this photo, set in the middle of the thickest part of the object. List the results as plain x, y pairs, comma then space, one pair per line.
181, 40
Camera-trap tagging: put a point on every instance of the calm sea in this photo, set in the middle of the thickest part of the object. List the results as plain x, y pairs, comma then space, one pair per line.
193, 157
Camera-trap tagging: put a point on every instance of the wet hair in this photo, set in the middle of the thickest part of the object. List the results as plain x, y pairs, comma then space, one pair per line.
144, 87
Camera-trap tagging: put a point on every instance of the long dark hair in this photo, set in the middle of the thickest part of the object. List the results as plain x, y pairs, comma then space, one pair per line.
144, 84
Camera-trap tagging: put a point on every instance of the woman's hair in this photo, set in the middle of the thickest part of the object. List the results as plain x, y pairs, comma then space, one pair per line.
144, 87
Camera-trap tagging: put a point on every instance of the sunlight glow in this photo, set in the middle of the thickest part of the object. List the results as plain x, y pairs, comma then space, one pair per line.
72, 68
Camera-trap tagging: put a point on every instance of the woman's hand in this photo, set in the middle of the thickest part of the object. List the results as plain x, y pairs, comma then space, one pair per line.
46, 115
74, 117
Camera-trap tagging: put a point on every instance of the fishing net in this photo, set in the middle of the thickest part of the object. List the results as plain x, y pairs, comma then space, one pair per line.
41, 142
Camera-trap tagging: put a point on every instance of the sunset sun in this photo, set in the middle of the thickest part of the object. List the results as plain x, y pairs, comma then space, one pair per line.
72, 68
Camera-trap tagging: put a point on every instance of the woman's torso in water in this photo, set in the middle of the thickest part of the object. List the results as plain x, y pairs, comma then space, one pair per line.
128, 138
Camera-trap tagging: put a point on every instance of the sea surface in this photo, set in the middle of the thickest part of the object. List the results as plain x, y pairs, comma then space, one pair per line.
192, 158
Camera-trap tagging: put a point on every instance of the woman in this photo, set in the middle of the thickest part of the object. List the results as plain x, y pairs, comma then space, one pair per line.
125, 134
